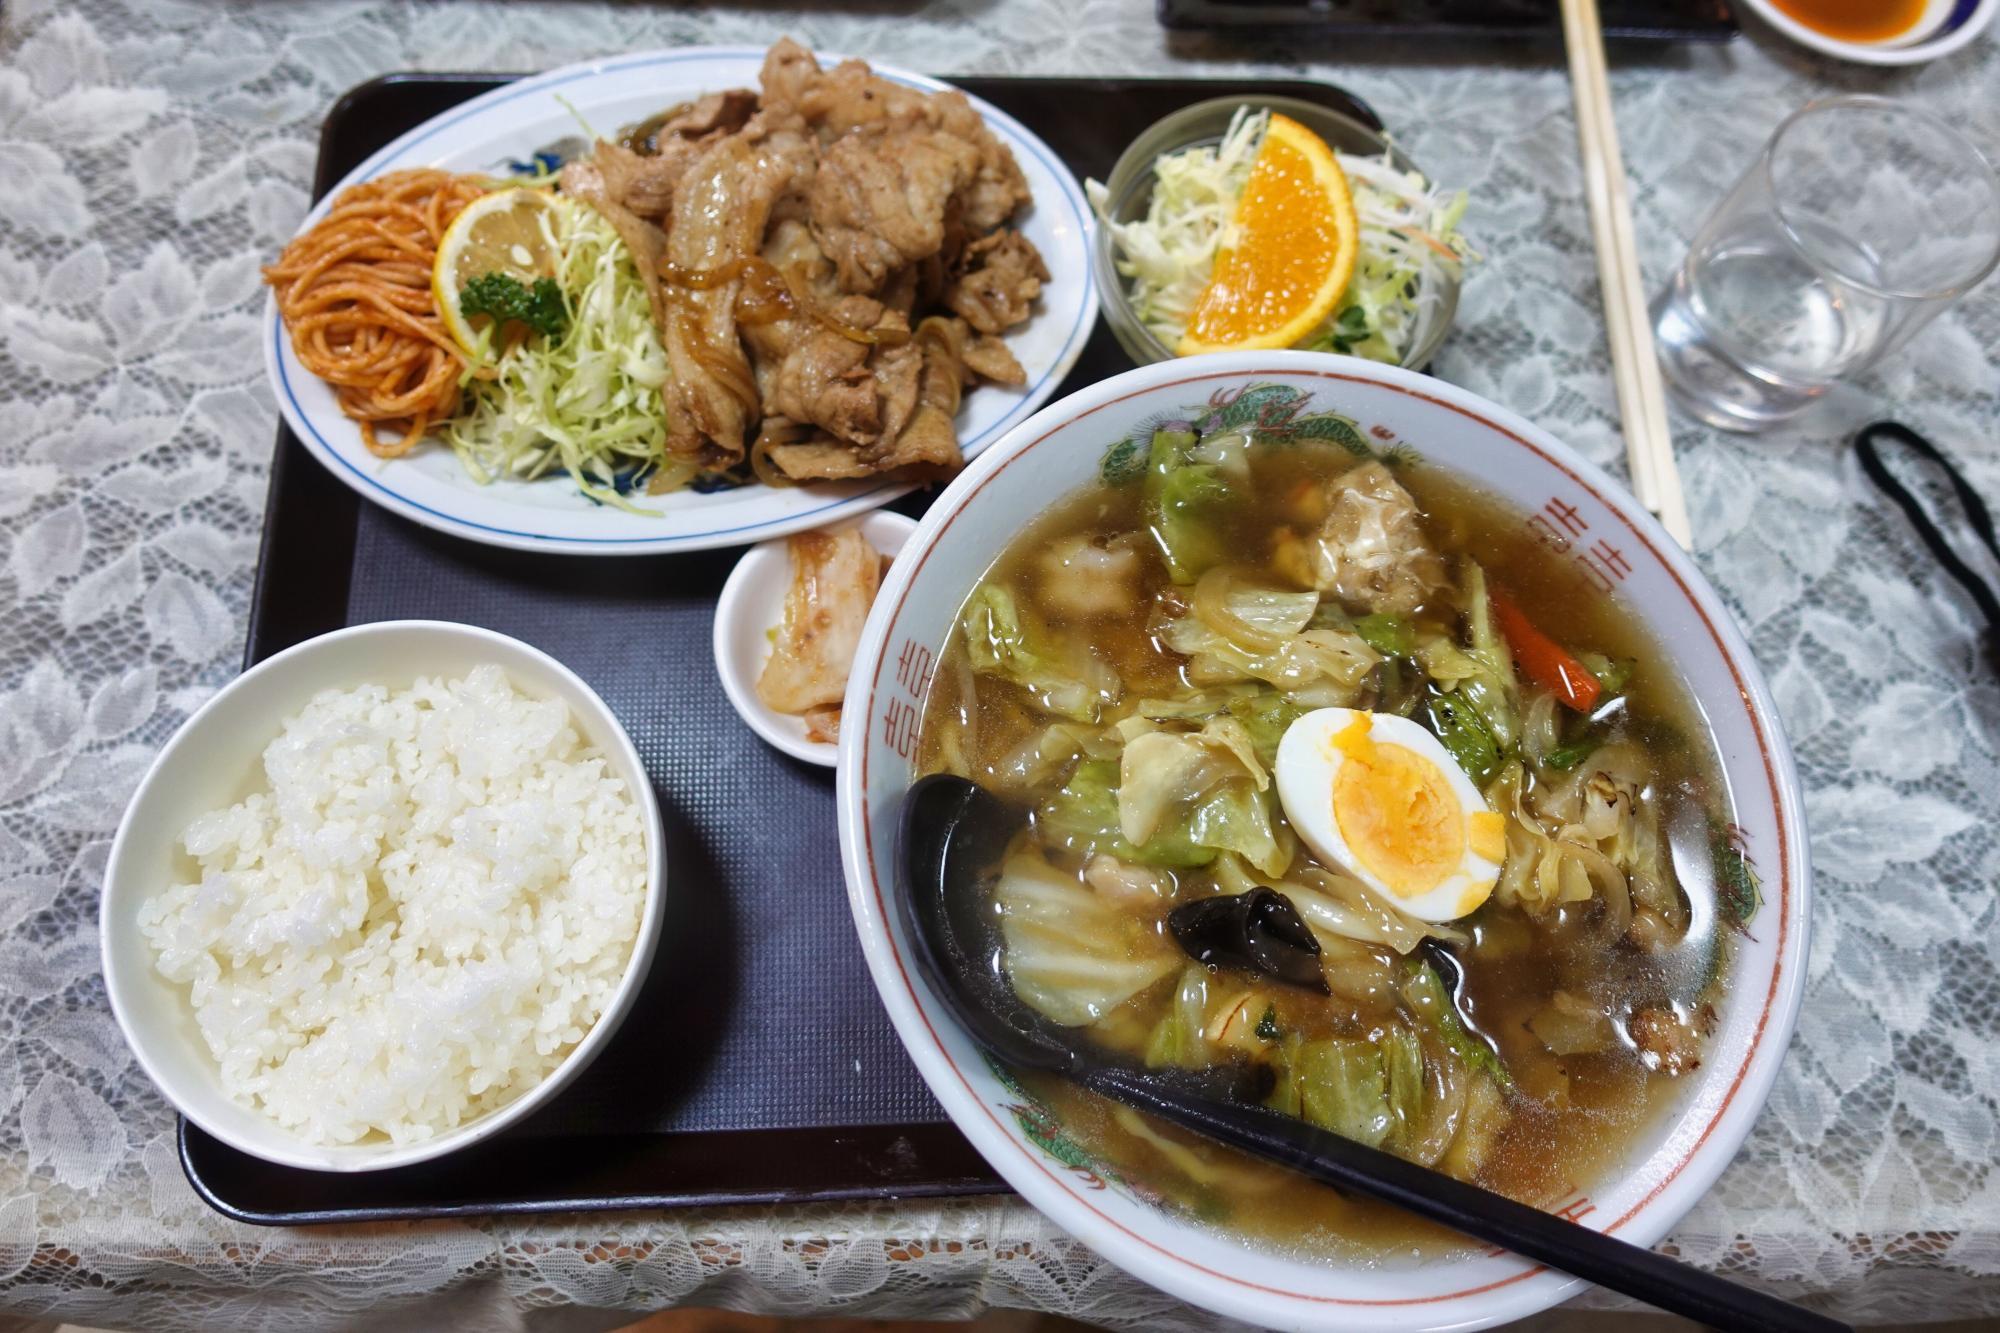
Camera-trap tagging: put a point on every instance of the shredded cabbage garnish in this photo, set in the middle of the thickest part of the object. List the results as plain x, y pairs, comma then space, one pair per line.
588, 400
1409, 243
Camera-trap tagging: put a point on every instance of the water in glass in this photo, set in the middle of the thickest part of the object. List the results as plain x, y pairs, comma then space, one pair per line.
1750, 331
1817, 263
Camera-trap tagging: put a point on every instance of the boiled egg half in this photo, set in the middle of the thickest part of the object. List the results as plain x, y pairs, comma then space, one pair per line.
1380, 797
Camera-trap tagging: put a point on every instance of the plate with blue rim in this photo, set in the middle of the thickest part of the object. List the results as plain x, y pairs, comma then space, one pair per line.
538, 121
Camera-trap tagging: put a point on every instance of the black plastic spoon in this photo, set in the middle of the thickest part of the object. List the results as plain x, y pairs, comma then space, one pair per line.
953, 835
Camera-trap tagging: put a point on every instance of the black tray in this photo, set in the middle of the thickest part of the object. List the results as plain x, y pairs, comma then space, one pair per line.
1644, 20
757, 1065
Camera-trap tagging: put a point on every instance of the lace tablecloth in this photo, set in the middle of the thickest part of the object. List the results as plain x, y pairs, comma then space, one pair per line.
152, 152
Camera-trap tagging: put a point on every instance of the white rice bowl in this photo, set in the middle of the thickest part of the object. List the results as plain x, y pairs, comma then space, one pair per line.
419, 920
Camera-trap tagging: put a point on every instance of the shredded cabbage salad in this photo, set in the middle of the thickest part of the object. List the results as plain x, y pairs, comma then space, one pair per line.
586, 400
1409, 242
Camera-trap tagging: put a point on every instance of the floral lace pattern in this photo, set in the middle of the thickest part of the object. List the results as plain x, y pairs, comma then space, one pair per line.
155, 153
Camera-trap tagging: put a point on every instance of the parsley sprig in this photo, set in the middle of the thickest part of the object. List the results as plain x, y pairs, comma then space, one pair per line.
506, 300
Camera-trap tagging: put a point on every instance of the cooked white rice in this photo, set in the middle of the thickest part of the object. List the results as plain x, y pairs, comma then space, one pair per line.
421, 917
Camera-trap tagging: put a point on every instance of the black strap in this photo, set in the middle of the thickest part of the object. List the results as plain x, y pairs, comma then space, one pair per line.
1865, 444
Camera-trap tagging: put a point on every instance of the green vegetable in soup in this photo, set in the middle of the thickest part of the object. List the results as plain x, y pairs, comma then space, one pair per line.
1315, 668
1338, 1083
1426, 996
1196, 706
1185, 501
1464, 735
1372, 1091
1177, 1039
1470, 705
1391, 636
1265, 715
1286, 1094
1487, 644
1614, 674
1194, 798
1032, 764
1072, 954
1159, 774
1403, 1060
1571, 753
1400, 686
1344, 1087
1251, 614
1208, 783
1481, 672
998, 641
1238, 819
1082, 817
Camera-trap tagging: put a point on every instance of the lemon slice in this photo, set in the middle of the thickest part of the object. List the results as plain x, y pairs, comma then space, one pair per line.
507, 231
1290, 249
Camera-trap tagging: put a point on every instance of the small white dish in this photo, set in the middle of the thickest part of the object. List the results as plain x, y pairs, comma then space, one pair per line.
750, 607
1945, 27
213, 760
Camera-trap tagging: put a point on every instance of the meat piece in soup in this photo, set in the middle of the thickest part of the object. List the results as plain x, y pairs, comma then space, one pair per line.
1477, 836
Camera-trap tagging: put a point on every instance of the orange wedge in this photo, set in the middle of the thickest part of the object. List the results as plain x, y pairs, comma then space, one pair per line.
1289, 252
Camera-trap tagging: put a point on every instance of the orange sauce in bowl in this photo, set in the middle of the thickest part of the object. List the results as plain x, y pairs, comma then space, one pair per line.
1855, 20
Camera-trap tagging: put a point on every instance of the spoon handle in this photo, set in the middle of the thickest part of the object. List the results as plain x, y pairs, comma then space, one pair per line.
1653, 1278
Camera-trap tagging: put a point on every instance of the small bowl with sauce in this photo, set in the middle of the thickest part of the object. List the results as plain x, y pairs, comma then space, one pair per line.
1879, 32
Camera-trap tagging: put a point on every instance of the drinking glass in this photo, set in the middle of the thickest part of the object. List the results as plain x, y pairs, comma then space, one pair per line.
1860, 220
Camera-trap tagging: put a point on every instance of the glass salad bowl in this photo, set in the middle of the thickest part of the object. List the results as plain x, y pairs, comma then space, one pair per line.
1126, 197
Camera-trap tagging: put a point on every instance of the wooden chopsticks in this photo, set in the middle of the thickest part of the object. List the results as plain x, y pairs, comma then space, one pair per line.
1642, 403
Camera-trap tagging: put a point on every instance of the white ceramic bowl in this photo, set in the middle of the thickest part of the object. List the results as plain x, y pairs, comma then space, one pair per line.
751, 605
1945, 26
213, 760
1571, 505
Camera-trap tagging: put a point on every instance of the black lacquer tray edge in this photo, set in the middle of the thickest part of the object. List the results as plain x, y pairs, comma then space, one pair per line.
1717, 25
713, 1168
302, 589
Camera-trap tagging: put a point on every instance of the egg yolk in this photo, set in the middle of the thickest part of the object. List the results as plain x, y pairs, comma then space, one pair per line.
1397, 813
1487, 832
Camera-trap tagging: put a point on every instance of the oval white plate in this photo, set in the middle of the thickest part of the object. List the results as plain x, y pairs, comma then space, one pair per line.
510, 124
751, 604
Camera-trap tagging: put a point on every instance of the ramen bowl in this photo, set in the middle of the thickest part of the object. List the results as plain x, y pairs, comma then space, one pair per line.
1582, 516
